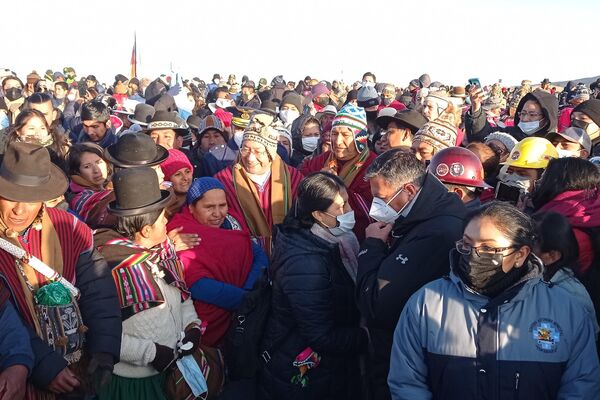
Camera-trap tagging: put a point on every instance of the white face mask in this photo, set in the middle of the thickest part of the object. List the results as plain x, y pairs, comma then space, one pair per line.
529, 127
368, 83
238, 137
223, 103
310, 143
562, 153
71, 97
383, 212
216, 81
288, 116
519, 181
345, 223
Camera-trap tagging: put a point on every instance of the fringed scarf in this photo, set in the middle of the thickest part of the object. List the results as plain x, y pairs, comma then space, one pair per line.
350, 168
249, 199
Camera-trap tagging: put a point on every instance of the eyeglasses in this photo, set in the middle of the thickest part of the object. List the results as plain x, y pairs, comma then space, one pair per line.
466, 249
245, 151
529, 114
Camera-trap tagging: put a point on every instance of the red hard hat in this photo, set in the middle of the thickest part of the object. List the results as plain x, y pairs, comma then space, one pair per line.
458, 166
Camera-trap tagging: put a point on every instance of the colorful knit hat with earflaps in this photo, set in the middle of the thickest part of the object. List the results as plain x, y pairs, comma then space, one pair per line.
354, 118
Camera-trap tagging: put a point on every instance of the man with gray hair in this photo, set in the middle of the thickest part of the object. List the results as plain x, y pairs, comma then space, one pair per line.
418, 222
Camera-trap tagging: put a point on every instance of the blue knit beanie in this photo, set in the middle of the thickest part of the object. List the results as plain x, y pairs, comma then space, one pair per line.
201, 186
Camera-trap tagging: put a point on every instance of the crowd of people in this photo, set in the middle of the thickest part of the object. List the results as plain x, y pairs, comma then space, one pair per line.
384, 242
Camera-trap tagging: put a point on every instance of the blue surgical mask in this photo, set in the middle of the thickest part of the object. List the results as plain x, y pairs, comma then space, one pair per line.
529, 127
345, 223
192, 374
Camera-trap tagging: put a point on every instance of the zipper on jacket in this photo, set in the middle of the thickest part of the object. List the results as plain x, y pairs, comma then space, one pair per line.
516, 387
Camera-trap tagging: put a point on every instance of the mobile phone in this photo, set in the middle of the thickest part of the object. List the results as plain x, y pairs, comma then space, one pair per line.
507, 193
475, 82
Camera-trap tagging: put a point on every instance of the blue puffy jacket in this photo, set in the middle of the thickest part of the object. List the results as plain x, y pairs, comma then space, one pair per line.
533, 341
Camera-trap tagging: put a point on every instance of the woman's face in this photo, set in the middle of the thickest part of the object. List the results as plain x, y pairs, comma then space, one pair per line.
157, 232
211, 209
93, 168
482, 233
182, 180
34, 131
339, 206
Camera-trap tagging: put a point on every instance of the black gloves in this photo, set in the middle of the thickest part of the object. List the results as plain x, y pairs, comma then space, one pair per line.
164, 356
193, 336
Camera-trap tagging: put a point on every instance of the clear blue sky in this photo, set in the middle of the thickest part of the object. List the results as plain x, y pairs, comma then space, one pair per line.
396, 39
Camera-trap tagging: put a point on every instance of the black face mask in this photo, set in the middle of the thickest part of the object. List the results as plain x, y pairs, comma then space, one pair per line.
371, 115
13, 94
483, 273
580, 124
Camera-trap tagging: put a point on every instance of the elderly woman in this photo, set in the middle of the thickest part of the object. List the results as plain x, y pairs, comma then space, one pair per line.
259, 186
218, 277
494, 324
349, 159
90, 190
313, 334
157, 312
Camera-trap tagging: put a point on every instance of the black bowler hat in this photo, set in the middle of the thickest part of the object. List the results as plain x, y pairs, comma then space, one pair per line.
407, 118
135, 150
137, 192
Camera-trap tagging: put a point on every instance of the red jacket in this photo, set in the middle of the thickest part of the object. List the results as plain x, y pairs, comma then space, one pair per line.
582, 209
359, 191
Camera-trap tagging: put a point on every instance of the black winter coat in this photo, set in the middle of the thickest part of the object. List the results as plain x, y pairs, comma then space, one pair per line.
418, 254
313, 305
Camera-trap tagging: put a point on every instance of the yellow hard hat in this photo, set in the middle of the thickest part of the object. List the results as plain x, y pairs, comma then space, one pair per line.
531, 152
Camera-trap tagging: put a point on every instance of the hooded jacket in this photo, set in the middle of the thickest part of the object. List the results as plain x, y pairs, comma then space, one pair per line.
582, 209
388, 276
478, 127
532, 341
299, 153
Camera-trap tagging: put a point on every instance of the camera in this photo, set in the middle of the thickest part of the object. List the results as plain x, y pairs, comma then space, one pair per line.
508, 193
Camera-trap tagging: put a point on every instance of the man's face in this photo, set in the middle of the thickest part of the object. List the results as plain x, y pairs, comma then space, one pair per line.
96, 130
59, 92
210, 139
247, 92
164, 137
90, 84
423, 151
397, 136
395, 197
342, 140
211, 209
255, 158
430, 110
591, 128
18, 216
572, 147
368, 78
47, 109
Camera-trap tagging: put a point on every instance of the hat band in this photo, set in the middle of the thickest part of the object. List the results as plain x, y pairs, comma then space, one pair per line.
23, 180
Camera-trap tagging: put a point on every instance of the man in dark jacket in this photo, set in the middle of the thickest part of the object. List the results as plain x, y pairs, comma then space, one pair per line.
418, 224
536, 115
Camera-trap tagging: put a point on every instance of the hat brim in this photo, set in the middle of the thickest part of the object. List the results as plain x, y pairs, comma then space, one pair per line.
55, 187
383, 122
161, 155
135, 121
165, 198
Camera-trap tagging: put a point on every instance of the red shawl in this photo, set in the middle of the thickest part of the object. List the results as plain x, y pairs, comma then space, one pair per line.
224, 255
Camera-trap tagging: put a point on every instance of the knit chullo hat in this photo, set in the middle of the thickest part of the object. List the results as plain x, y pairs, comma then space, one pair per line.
260, 130
354, 118
175, 161
439, 133
507, 140
201, 186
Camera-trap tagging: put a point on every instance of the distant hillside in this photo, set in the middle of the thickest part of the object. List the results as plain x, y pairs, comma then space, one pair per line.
587, 81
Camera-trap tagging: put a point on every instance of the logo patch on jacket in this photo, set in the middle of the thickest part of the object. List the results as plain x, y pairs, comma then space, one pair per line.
546, 334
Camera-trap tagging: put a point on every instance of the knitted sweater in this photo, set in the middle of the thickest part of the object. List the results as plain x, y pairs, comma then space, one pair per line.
161, 324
